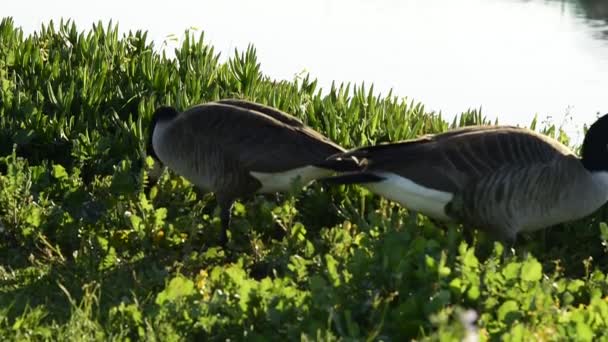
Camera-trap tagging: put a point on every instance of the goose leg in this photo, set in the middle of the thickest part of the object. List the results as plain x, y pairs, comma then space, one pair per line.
225, 214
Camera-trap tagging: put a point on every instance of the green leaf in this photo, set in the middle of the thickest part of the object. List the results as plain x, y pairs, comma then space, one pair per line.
59, 172
456, 285
531, 270
430, 262
508, 307
511, 271
332, 269
109, 260
34, 217
468, 257
160, 215
178, 287
149, 162
473, 293
604, 231
135, 222
583, 332
239, 209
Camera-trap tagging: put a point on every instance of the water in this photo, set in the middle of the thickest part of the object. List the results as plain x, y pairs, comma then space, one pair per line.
511, 58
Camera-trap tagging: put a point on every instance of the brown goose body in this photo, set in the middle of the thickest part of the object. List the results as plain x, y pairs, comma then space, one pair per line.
236, 148
499, 178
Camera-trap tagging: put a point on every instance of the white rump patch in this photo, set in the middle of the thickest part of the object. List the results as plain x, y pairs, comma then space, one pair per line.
413, 196
282, 181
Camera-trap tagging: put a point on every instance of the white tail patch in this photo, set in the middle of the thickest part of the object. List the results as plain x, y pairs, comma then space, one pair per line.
413, 196
282, 181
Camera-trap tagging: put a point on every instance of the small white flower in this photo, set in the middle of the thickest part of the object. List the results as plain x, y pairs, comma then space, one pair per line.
468, 319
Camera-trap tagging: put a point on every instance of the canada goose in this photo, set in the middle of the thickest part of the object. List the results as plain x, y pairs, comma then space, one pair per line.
236, 148
502, 179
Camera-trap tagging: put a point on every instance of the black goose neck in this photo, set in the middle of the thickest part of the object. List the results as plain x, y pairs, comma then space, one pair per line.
595, 146
161, 114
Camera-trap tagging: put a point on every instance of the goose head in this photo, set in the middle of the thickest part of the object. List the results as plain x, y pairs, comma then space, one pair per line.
161, 116
594, 152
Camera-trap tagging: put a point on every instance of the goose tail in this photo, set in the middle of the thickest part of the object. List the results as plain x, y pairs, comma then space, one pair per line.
381, 149
341, 164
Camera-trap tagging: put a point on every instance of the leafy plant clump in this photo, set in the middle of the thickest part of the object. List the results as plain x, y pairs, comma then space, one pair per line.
97, 245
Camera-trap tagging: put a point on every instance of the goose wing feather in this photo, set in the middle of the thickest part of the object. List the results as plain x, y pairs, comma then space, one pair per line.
255, 141
452, 160
270, 111
507, 201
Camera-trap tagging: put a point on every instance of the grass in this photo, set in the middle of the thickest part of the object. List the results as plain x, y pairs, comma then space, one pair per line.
94, 245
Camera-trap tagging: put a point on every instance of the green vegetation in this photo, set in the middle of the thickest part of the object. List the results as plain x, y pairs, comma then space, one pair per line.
93, 247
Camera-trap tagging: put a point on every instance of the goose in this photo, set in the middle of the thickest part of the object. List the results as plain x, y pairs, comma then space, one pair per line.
502, 179
236, 148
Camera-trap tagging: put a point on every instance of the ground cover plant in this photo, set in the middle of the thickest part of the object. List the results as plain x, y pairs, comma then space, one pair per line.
96, 244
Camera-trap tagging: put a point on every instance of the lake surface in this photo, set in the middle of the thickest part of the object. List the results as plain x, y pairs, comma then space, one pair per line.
512, 58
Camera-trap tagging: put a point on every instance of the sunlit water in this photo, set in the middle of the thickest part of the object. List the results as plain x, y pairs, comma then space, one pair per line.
512, 58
